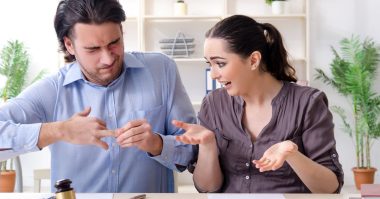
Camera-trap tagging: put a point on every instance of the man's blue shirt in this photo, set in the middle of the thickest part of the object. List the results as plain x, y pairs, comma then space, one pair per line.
148, 87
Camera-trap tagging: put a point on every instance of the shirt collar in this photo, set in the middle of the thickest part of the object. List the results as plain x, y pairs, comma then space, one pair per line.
74, 73
281, 94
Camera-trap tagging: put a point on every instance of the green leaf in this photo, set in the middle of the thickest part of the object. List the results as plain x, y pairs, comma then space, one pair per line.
353, 74
14, 67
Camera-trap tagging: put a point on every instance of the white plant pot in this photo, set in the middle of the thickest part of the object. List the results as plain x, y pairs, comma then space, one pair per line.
180, 9
278, 7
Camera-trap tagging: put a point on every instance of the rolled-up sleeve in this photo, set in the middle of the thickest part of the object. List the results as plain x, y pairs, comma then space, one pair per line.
318, 137
21, 117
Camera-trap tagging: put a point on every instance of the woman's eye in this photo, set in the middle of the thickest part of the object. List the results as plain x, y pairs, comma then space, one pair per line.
221, 65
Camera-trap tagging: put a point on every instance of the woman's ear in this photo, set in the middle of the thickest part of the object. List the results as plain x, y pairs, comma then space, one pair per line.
69, 45
255, 59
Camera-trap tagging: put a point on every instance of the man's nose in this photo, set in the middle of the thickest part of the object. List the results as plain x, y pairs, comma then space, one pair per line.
107, 57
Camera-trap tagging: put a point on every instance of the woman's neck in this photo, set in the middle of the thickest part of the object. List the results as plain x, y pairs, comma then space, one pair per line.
263, 90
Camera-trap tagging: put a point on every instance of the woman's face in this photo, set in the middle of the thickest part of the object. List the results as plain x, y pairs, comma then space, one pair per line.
229, 69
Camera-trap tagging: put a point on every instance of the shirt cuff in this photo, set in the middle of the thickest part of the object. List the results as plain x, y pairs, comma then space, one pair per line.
166, 157
26, 138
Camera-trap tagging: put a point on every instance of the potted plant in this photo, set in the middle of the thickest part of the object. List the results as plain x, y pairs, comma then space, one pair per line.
14, 67
7, 176
278, 6
353, 76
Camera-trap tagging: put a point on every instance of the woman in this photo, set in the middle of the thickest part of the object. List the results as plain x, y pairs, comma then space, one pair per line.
261, 132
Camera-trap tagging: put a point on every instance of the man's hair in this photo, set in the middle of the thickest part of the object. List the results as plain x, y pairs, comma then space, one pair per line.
70, 12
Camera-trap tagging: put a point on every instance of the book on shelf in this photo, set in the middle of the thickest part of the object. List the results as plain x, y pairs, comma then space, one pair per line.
370, 191
211, 84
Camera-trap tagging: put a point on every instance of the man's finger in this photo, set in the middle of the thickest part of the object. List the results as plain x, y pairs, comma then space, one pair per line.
101, 144
105, 133
85, 112
101, 122
131, 142
118, 132
133, 123
132, 132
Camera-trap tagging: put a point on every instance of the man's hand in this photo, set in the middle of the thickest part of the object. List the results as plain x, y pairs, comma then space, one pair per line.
139, 133
79, 129
274, 157
82, 129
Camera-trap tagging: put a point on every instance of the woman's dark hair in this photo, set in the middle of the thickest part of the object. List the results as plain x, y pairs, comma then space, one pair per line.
244, 36
70, 12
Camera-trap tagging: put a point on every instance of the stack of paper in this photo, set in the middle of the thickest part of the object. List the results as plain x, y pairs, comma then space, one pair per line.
370, 191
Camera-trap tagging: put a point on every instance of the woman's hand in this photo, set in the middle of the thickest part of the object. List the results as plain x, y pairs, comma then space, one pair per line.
274, 157
194, 133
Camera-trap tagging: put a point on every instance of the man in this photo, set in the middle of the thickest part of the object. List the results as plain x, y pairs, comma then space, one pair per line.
106, 116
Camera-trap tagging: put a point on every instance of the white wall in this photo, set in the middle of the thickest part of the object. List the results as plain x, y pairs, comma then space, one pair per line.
32, 23
331, 20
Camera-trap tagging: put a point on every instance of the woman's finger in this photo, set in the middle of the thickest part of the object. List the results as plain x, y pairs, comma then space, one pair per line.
181, 124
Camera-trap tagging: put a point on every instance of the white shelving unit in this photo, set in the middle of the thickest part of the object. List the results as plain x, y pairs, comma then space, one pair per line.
148, 21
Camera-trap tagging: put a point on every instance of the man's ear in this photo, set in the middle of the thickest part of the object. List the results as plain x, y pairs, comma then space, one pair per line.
69, 45
255, 59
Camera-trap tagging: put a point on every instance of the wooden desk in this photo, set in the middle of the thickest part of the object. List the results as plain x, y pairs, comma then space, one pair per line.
321, 196
167, 196
163, 196
204, 196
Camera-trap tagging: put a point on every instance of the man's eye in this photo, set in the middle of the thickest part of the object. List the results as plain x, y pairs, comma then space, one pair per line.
113, 45
91, 51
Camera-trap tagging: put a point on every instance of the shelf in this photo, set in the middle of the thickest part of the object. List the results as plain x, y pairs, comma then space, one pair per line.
173, 19
285, 16
152, 20
131, 18
298, 59
182, 18
189, 60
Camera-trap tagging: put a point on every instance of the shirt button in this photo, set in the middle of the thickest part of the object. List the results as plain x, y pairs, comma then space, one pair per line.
247, 164
114, 144
113, 171
250, 145
334, 155
247, 177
